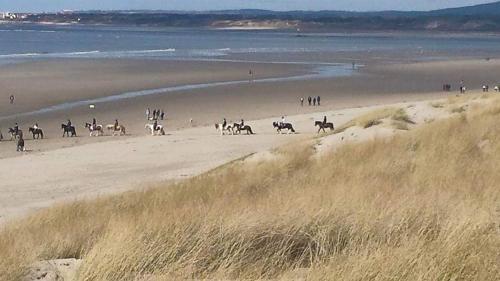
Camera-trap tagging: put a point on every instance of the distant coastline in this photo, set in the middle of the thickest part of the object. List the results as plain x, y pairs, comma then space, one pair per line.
479, 18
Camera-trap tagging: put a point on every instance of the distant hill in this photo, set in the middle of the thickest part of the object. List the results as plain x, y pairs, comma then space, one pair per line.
478, 18
490, 9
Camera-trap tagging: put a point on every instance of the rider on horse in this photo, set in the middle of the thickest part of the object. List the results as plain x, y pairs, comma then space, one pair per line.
224, 123
242, 124
116, 125
68, 124
16, 129
324, 120
35, 127
155, 126
94, 124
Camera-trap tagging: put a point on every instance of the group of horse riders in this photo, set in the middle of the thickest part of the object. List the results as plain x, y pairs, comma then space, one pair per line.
235, 128
224, 123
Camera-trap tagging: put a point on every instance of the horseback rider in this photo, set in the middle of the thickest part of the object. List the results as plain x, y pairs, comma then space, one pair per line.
155, 125
116, 125
68, 124
16, 129
282, 121
35, 126
224, 123
324, 120
94, 124
242, 123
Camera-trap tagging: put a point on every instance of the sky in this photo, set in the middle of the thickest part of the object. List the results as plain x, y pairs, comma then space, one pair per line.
350, 5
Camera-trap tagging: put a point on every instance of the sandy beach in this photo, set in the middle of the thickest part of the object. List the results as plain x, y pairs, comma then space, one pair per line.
58, 169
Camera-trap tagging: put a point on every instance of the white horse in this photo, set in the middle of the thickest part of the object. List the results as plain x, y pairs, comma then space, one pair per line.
160, 131
94, 130
120, 130
219, 127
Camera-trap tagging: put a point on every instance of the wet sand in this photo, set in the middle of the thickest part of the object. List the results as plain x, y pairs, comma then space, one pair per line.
119, 163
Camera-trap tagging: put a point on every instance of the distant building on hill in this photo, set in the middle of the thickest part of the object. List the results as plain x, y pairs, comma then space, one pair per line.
8, 16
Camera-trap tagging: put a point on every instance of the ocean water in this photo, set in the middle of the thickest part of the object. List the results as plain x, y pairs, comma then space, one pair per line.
20, 42
25, 42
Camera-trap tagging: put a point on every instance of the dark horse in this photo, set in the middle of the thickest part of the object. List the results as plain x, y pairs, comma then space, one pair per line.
14, 134
68, 129
322, 126
37, 133
280, 126
237, 128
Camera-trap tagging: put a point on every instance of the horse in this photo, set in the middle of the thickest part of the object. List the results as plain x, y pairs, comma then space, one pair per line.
14, 134
67, 130
223, 129
322, 126
159, 129
37, 133
120, 130
20, 145
94, 130
282, 126
237, 128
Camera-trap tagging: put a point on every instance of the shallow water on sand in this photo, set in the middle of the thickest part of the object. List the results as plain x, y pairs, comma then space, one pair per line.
318, 72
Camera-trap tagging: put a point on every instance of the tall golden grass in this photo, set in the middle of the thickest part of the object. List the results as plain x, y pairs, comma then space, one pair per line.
424, 205
399, 117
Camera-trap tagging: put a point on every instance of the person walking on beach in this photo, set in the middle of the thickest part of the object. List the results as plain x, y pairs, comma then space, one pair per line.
319, 100
301, 101
11, 99
162, 115
148, 112
250, 74
154, 114
314, 101
309, 99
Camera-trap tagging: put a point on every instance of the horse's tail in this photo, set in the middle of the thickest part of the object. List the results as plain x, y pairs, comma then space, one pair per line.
250, 130
292, 129
41, 133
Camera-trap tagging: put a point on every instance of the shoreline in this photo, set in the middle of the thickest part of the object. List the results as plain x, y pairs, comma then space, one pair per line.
317, 72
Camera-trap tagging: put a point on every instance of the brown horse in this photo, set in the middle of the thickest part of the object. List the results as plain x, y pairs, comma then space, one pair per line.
322, 126
237, 128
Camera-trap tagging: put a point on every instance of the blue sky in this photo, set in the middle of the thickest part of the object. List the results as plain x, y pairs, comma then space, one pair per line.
358, 5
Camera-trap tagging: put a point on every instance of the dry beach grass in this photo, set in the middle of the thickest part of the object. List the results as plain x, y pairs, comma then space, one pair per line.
424, 205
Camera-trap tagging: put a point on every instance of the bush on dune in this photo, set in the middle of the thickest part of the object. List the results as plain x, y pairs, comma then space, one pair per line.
418, 206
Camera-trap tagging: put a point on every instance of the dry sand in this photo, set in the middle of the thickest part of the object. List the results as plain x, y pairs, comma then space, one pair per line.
57, 169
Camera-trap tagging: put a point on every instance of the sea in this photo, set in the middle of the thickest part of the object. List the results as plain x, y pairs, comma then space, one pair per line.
28, 41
